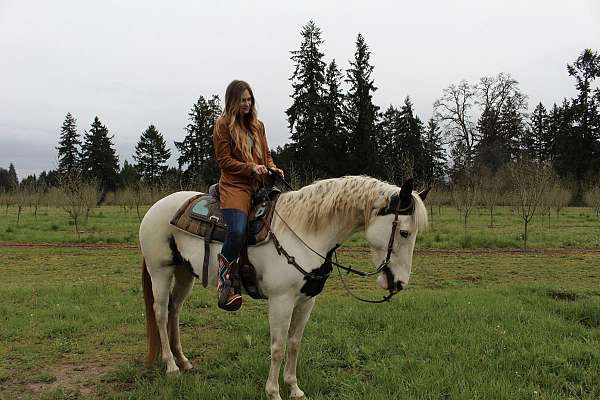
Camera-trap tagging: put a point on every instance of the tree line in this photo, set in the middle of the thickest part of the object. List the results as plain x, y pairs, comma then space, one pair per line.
476, 129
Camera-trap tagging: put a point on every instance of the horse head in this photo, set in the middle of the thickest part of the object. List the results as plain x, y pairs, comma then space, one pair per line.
392, 233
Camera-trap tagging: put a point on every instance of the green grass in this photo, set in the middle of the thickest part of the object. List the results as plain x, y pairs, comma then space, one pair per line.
573, 228
469, 327
106, 224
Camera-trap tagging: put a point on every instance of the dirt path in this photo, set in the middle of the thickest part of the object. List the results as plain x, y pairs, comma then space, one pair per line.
347, 250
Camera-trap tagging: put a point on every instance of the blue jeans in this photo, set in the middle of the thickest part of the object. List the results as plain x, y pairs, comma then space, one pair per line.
237, 223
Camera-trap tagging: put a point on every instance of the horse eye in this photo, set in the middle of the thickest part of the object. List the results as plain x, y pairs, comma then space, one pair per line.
404, 234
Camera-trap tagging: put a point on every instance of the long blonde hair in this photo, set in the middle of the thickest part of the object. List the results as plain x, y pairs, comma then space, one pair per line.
240, 124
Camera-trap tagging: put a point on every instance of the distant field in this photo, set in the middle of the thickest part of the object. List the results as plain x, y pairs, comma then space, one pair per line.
573, 228
495, 326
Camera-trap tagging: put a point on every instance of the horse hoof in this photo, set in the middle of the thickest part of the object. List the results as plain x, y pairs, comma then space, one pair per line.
186, 366
172, 371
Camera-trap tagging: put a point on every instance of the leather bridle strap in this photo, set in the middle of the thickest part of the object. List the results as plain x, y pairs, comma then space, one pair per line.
385, 266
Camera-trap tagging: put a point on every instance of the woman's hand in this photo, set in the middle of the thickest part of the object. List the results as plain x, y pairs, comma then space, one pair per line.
260, 169
278, 172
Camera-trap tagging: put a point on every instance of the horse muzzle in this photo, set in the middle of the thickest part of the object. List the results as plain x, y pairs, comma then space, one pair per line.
382, 281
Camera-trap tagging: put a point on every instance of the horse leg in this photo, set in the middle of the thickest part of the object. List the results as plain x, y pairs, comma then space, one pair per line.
184, 282
161, 286
280, 314
299, 318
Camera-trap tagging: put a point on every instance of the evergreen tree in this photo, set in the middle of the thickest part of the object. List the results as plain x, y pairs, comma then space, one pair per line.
536, 143
333, 138
4, 180
387, 133
361, 115
13, 180
512, 125
151, 153
585, 113
500, 126
435, 156
128, 176
568, 146
99, 160
553, 129
171, 179
68, 151
411, 147
305, 115
196, 149
52, 178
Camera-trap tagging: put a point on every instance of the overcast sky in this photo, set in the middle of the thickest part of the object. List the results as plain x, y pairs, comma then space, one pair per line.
135, 63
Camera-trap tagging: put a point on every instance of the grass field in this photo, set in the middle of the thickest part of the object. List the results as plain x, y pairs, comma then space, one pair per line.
472, 324
575, 227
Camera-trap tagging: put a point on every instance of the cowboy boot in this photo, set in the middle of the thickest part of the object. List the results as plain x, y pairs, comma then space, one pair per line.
227, 298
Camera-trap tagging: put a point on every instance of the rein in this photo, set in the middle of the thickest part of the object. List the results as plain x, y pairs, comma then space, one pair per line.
383, 267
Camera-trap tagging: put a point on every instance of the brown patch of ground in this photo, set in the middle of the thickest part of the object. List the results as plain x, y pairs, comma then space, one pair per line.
80, 379
350, 250
93, 246
484, 252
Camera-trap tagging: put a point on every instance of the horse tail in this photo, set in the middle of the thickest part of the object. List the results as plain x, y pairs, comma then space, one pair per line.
152, 336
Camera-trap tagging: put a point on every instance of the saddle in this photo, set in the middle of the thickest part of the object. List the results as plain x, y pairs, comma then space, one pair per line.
201, 216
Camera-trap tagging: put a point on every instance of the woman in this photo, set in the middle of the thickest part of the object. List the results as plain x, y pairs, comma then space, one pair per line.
244, 159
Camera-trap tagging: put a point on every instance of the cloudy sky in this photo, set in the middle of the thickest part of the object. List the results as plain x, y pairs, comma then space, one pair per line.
135, 63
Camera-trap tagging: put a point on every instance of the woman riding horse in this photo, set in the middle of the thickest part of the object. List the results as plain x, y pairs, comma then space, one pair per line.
243, 156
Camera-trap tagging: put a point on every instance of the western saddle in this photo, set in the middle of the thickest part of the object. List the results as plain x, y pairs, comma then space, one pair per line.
201, 216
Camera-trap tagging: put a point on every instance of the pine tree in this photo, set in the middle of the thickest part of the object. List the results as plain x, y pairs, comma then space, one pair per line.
151, 153
305, 115
411, 148
68, 151
585, 113
99, 160
435, 156
13, 180
535, 142
553, 131
196, 148
361, 115
500, 126
4, 185
387, 134
128, 176
333, 138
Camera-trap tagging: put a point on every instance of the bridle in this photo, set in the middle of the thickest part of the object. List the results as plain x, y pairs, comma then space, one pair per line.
398, 209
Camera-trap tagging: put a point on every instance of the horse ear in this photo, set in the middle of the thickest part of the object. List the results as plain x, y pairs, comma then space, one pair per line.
423, 193
406, 190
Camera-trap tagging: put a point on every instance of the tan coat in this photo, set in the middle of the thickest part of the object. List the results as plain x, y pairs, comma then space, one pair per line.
238, 180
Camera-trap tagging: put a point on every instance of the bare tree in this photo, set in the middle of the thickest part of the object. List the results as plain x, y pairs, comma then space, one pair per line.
20, 198
72, 199
592, 199
465, 194
136, 195
558, 196
492, 188
531, 182
494, 92
452, 110
90, 194
6, 197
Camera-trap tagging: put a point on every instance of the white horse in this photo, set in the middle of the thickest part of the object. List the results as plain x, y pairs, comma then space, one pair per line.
319, 215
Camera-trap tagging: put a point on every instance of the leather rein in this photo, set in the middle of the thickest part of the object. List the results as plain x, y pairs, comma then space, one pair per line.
384, 267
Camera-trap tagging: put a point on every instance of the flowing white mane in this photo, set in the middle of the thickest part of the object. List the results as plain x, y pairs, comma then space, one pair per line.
349, 199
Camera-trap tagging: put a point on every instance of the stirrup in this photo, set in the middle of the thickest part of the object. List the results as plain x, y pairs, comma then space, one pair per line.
227, 299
